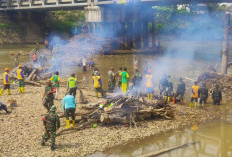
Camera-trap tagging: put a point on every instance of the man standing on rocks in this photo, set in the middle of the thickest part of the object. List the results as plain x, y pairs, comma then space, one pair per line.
48, 98
195, 94
217, 95
180, 90
20, 79
56, 83
72, 85
6, 82
125, 77
111, 77
69, 107
203, 93
51, 122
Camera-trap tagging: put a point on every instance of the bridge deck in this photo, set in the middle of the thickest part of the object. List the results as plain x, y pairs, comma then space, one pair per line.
69, 4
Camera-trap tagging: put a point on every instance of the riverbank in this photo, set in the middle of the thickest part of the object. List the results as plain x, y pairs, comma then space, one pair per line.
22, 129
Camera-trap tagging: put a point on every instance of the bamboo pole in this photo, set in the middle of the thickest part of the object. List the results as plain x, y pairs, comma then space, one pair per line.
153, 154
225, 44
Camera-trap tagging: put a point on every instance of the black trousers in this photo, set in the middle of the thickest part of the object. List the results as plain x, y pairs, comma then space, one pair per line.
3, 107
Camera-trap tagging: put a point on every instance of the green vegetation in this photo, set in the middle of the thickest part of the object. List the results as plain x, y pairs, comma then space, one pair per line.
9, 26
65, 21
175, 20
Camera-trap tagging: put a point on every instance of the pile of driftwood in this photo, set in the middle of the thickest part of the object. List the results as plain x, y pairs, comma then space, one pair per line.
122, 110
33, 75
213, 78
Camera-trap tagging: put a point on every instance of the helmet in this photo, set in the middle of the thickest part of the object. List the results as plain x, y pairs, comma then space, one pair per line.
20, 66
53, 109
6, 69
217, 86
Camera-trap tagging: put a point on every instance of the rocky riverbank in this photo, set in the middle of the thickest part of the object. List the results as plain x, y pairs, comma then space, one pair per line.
21, 131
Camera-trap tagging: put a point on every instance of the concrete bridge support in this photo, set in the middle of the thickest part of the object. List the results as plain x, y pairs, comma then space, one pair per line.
128, 24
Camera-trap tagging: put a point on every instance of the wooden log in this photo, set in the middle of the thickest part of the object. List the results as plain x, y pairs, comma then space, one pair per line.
153, 154
114, 118
31, 75
33, 83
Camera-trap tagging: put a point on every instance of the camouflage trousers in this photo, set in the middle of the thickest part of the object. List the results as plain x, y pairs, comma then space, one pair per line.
51, 135
111, 86
48, 103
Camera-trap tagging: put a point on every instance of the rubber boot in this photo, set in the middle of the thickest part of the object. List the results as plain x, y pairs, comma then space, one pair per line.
19, 88
148, 96
96, 93
73, 123
190, 104
8, 92
22, 90
195, 105
151, 96
67, 124
1, 92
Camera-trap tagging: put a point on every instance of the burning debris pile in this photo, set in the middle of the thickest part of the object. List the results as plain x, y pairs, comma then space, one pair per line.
213, 78
122, 110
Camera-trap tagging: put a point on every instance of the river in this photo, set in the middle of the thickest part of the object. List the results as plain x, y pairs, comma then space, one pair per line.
182, 59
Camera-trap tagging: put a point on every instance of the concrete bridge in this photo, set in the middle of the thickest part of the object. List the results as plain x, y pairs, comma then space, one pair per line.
80, 4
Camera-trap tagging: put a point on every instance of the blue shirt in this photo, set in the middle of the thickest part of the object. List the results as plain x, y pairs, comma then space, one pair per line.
69, 102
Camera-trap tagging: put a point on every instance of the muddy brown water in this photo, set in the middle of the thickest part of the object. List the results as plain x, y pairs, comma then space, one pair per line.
215, 137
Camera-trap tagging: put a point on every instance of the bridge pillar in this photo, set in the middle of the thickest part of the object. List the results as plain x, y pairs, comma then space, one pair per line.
225, 45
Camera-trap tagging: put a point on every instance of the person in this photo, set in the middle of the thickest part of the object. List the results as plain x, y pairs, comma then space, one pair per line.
195, 94
20, 79
16, 61
56, 83
203, 94
91, 64
163, 85
169, 89
136, 81
51, 123
157, 43
42, 60
34, 57
180, 90
95, 70
48, 98
6, 82
149, 84
69, 107
119, 83
84, 63
72, 85
111, 80
3, 107
46, 44
125, 77
37, 47
97, 84
217, 95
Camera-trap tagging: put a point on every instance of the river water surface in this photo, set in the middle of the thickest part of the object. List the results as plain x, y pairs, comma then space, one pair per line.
215, 138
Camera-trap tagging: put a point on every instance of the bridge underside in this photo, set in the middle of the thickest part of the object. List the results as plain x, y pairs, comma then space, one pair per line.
80, 4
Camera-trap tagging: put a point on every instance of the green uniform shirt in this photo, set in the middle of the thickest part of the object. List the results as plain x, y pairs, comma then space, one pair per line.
125, 76
49, 96
56, 80
52, 121
72, 82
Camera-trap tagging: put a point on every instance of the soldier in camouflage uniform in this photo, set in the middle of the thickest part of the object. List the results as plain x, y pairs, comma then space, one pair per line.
163, 85
51, 122
111, 80
203, 93
48, 98
169, 89
180, 90
216, 95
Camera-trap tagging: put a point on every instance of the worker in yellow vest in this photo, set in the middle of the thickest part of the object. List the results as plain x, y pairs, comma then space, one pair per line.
20, 79
97, 84
195, 94
149, 84
72, 85
6, 82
